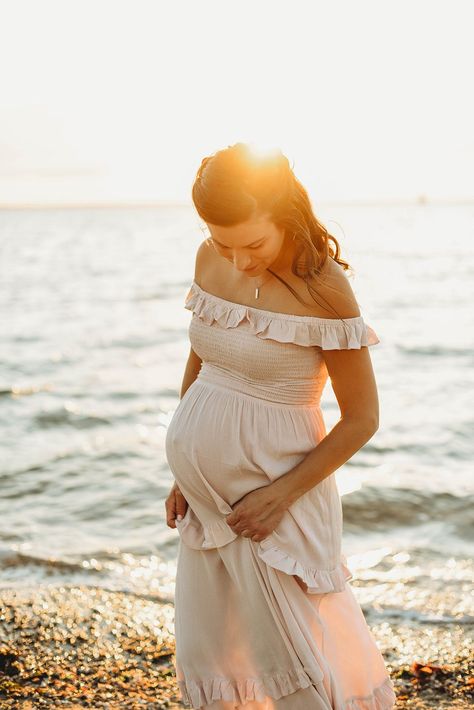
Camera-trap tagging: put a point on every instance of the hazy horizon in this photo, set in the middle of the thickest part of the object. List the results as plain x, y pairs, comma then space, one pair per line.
186, 203
118, 103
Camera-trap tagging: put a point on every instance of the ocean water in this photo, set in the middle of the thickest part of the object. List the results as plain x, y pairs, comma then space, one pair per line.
93, 348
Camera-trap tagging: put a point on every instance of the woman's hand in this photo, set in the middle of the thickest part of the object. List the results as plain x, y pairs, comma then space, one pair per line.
176, 506
257, 514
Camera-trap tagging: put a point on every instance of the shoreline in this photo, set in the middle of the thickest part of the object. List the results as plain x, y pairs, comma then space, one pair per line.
78, 646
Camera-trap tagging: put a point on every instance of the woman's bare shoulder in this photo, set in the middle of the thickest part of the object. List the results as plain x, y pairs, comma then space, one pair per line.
336, 287
204, 255
332, 295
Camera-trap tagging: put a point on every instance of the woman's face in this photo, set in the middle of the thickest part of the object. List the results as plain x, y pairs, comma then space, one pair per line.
251, 246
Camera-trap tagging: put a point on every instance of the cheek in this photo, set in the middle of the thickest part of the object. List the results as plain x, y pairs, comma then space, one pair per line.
260, 255
268, 253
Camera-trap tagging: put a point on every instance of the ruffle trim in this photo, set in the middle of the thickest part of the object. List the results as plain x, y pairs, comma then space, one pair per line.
318, 581
199, 693
326, 333
203, 537
383, 698
218, 533
204, 692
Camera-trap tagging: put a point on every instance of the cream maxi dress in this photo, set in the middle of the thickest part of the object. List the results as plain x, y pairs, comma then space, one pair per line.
248, 635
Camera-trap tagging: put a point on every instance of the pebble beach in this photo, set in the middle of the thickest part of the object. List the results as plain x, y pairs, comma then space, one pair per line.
86, 647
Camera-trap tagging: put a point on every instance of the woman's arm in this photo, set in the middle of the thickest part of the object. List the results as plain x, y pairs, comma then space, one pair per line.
353, 382
194, 362
191, 371
176, 504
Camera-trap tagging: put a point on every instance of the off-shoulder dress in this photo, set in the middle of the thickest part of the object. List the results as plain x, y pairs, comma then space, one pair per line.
248, 634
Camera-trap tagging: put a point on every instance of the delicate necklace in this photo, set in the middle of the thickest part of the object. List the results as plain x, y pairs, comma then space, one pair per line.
257, 288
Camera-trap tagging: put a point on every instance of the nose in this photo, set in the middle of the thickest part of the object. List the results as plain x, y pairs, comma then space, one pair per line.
241, 262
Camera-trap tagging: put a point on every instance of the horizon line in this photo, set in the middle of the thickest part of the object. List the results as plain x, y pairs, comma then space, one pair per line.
419, 200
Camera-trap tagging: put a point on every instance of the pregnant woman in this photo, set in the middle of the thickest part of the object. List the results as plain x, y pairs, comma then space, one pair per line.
264, 616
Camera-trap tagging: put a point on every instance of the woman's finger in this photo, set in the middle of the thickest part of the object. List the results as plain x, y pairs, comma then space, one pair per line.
181, 503
170, 506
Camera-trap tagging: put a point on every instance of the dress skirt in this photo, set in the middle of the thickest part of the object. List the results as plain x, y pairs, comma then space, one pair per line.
284, 649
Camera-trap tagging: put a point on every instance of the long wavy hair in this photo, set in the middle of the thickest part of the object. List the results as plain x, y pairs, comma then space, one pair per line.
234, 184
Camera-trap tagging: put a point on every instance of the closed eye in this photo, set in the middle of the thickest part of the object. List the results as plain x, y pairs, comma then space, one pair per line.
224, 247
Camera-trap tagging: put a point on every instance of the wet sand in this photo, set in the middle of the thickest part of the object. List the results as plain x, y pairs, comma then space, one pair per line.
77, 647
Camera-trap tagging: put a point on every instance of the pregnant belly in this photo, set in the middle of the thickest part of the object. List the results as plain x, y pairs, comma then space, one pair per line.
220, 442
202, 470
220, 447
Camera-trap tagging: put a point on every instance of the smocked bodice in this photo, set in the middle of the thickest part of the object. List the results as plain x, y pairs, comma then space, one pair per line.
283, 363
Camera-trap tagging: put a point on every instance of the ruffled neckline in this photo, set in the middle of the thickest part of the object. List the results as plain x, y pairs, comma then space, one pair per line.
325, 333
274, 314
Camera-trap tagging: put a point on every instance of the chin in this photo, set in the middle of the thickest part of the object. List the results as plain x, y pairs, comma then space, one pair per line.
256, 269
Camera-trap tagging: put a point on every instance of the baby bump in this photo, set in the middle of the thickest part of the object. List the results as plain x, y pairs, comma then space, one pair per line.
236, 443
209, 468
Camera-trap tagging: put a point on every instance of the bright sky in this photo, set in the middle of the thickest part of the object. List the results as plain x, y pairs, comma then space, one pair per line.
119, 100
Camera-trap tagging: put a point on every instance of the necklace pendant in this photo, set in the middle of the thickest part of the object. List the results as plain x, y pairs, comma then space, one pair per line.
256, 291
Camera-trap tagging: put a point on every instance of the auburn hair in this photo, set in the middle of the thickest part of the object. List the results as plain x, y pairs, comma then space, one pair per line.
234, 184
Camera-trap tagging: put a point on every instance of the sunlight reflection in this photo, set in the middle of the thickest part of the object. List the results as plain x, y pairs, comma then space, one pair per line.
347, 482
264, 151
368, 559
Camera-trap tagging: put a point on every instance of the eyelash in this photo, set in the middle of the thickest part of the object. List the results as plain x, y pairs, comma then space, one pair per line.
222, 247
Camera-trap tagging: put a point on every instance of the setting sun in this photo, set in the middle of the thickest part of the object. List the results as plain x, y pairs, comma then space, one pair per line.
118, 102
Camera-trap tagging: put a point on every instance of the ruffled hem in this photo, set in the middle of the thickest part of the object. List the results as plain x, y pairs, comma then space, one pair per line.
199, 693
318, 581
204, 692
326, 333
383, 698
204, 536
217, 534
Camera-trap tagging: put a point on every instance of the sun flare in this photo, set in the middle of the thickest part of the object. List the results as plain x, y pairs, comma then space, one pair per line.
264, 151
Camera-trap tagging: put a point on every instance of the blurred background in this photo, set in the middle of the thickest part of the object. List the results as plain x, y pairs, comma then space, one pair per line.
106, 110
